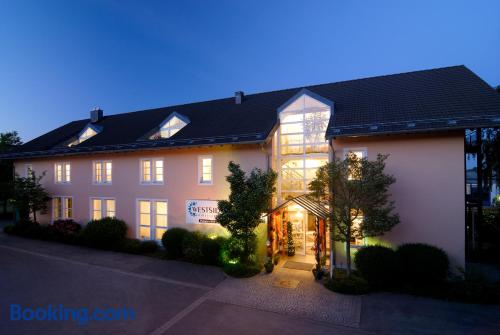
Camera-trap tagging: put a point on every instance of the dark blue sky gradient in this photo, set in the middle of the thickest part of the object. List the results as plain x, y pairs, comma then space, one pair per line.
58, 59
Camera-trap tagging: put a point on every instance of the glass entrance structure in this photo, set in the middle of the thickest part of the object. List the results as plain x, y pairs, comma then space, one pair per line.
301, 144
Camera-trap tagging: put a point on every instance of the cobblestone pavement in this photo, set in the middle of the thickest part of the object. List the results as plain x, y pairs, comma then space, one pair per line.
310, 299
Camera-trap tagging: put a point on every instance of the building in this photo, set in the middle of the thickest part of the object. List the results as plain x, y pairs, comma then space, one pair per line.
166, 167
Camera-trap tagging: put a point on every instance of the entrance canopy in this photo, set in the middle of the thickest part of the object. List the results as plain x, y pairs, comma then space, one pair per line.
307, 203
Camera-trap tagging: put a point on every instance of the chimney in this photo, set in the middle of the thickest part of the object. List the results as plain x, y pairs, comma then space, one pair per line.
96, 115
238, 97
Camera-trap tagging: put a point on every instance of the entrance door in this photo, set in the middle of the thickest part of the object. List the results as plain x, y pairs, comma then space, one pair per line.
297, 216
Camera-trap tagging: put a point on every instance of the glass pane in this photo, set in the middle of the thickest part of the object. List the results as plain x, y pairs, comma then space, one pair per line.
311, 173
293, 184
57, 203
317, 148
311, 102
145, 219
159, 170
315, 162
292, 163
144, 206
292, 128
291, 117
161, 220
146, 170
98, 172
160, 232
96, 214
292, 174
297, 104
59, 173
68, 172
161, 207
110, 207
145, 233
292, 150
68, 204
292, 139
108, 171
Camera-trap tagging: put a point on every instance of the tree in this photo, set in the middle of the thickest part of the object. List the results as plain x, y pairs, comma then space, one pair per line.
29, 196
8, 141
356, 189
249, 197
290, 245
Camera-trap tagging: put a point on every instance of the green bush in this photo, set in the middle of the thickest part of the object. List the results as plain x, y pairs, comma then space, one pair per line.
234, 249
9, 229
105, 233
148, 247
377, 264
129, 245
172, 242
211, 250
66, 227
192, 247
348, 285
421, 264
240, 270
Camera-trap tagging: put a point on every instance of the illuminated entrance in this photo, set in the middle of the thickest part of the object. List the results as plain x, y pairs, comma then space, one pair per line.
307, 220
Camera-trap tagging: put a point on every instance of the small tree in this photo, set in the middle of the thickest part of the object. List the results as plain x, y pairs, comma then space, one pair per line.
8, 141
249, 198
290, 245
29, 196
356, 188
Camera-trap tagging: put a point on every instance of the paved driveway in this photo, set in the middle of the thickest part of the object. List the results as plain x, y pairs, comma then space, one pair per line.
179, 298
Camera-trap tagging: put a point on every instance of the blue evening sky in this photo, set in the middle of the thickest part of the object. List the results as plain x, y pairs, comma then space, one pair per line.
58, 59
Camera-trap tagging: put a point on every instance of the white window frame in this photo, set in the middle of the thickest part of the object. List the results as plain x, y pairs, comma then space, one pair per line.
152, 218
27, 169
152, 180
103, 209
200, 170
103, 173
63, 207
64, 180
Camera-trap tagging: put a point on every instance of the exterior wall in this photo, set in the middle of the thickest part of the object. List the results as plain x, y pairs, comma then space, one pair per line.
180, 181
429, 190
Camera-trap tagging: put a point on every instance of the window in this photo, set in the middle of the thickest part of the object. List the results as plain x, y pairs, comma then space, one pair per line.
360, 153
205, 170
102, 207
152, 219
152, 171
103, 172
29, 170
62, 208
84, 135
355, 241
62, 173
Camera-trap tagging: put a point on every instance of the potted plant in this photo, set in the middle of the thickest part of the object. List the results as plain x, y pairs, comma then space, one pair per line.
269, 265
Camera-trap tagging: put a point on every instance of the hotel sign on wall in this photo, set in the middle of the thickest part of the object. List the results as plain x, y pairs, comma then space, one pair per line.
201, 211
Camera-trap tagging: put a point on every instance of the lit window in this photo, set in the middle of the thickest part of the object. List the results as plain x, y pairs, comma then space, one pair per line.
153, 219
103, 172
356, 224
359, 153
62, 208
102, 207
152, 171
85, 135
205, 170
62, 173
29, 170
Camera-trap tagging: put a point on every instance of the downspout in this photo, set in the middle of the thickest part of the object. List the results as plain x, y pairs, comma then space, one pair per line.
332, 245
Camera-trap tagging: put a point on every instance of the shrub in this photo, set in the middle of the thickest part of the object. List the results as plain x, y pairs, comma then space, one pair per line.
234, 250
27, 228
66, 227
377, 264
172, 242
211, 249
421, 264
348, 285
269, 265
240, 270
148, 247
129, 245
9, 229
191, 246
105, 233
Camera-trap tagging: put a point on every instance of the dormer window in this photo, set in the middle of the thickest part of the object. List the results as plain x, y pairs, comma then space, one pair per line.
86, 133
171, 126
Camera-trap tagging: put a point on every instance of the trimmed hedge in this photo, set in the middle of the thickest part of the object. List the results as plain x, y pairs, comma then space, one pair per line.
172, 241
240, 270
377, 264
421, 264
191, 247
104, 233
349, 285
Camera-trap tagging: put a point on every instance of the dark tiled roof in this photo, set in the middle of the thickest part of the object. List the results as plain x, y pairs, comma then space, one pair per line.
436, 99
